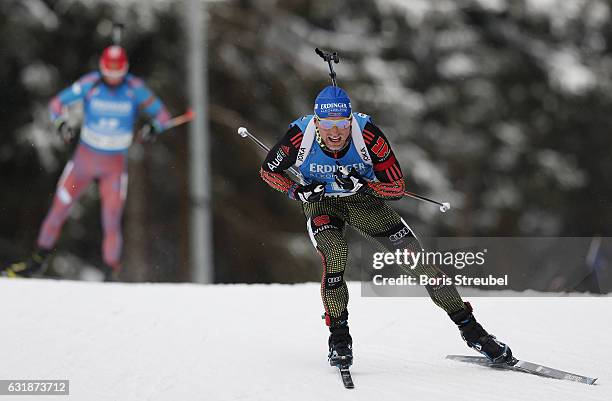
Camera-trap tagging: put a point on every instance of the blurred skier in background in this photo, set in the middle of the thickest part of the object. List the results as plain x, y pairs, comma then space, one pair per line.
350, 172
112, 99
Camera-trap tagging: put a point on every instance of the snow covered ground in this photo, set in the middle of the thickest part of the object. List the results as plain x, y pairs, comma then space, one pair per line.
267, 342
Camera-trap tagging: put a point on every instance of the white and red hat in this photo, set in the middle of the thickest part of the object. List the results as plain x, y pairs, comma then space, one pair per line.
114, 64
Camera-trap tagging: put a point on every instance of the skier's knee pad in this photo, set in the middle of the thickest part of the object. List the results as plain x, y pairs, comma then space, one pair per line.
399, 236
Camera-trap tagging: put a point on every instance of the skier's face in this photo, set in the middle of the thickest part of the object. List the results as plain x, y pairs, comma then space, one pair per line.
334, 131
113, 80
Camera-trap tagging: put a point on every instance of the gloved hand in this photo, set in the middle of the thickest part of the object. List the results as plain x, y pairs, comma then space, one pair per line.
149, 131
351, 180
309, 193
64, 130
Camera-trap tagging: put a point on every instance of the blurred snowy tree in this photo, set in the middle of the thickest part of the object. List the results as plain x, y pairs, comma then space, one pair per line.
499, 106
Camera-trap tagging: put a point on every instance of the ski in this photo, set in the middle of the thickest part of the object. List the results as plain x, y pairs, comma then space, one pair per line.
524, 366
345, 375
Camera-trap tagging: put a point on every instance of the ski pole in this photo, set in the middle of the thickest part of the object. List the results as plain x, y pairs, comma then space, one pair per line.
444, 206
146, 135
180, 120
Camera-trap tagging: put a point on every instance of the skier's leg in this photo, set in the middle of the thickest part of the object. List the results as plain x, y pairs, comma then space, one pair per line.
325, 228
73, 182
376, 219
379, 221
113, 190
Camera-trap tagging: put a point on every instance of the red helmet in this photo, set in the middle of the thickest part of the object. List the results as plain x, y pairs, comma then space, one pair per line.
114, 64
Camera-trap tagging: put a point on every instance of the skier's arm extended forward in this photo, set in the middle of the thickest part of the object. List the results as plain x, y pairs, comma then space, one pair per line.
282, 156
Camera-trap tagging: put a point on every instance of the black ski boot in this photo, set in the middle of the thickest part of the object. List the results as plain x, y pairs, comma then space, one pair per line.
476, 337
34, 264
340, 341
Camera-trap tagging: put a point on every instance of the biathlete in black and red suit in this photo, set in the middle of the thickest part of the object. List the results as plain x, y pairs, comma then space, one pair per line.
349, 172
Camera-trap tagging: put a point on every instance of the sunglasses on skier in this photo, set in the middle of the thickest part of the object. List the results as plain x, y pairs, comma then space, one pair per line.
342, 123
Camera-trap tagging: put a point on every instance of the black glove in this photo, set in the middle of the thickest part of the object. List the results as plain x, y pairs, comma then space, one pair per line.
64, 130
310, 193
350, 181
149, 131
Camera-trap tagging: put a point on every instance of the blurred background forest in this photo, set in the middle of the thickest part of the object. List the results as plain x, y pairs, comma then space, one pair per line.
501, 107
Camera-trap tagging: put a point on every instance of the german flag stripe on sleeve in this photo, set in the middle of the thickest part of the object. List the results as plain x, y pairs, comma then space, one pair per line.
394, 173
368, 137
393, 189
296, 139
386, 164
276, 180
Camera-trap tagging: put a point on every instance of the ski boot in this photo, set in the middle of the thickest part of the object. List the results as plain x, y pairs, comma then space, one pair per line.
340, 341
477, 338
34, 264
